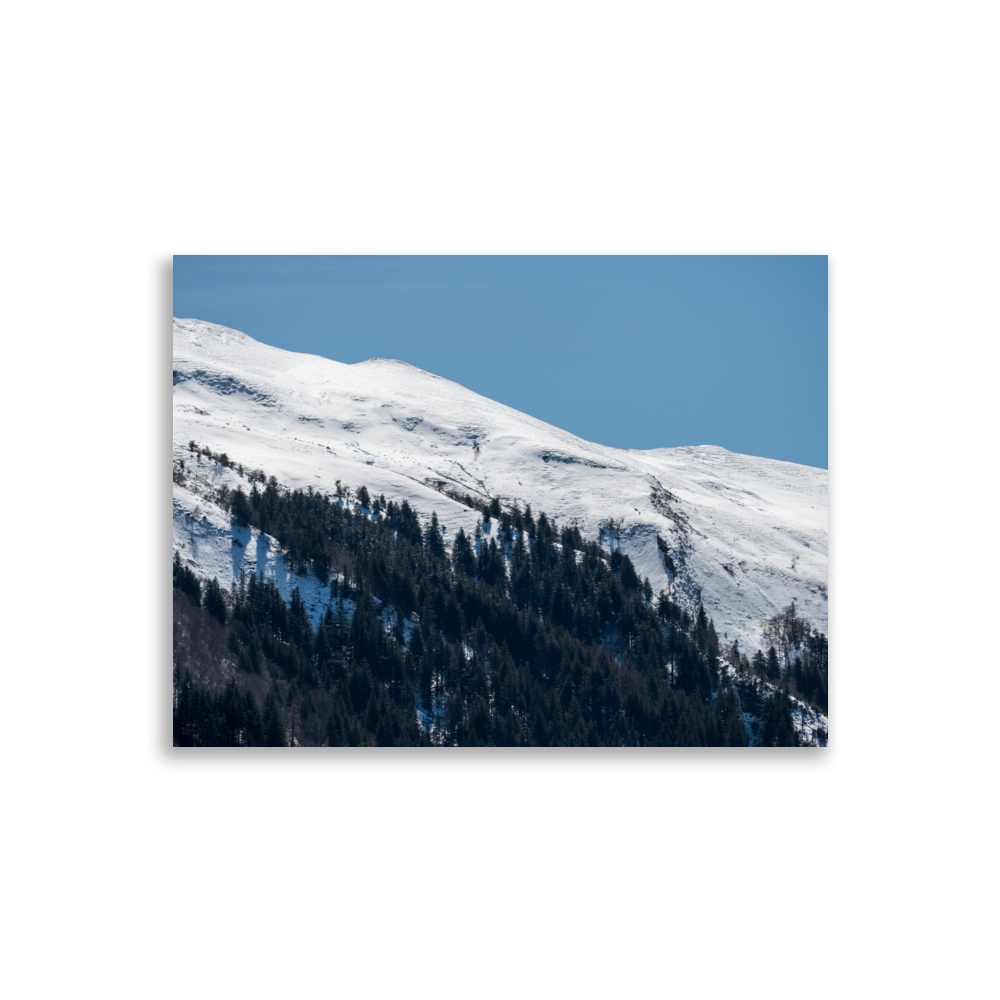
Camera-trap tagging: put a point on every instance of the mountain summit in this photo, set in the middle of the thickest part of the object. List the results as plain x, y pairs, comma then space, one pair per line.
746, 536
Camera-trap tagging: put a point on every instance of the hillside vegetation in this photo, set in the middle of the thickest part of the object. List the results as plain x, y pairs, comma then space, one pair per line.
521, 634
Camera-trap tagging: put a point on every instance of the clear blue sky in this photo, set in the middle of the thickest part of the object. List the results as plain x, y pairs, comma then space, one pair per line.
635, 352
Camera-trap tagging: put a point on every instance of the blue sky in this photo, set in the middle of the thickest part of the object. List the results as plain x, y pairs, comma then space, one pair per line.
634, 352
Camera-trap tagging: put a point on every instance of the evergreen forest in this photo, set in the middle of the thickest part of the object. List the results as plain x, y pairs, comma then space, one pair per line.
524, 634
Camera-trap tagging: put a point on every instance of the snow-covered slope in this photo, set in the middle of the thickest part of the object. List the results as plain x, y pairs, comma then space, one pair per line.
746, 534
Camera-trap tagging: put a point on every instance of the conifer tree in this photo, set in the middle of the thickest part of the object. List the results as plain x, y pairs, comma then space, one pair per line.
335, 726
433, 539
773, 670
240, 509
701, 620
462, 556
576, 653
186, 582
630, 579
274, 726
215, 604
254, 723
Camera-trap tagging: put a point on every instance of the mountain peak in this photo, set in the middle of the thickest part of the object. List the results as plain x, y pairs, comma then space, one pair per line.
393, 363
745, 535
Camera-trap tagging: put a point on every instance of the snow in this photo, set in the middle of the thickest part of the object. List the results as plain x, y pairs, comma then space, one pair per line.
212, 546
807, 720
745, 534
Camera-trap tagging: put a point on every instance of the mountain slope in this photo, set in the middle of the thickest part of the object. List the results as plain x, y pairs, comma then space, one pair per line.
747, 535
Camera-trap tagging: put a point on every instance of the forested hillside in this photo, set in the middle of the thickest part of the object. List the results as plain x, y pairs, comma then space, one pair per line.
744, 536
524, 634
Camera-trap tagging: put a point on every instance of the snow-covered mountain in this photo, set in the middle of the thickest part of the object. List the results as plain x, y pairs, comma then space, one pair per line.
747, 535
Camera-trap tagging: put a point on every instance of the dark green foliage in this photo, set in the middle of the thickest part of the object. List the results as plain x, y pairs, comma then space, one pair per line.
533, 638
240, 508
691, 669
215, 603
817, 648
255, 724
273, 725
630, 579
701, 625
776, 726
433, 540
202, 719
810, 680
772, 670
186, 582
728, 718
462, 556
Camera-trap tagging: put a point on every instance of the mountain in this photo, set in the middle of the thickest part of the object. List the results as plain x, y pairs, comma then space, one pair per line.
744, 535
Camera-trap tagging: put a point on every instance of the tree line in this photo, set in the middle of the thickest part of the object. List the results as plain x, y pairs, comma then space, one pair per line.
524, 634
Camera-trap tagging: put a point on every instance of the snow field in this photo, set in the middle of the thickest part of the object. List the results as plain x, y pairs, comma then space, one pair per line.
746, 535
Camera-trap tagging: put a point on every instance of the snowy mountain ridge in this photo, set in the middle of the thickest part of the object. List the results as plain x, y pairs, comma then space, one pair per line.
746, 535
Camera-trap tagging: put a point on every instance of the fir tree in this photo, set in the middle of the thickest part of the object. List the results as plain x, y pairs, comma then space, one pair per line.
462, 556
254, 723
240, 509
273, 724
186, 582
215, 604
433, 539
772, 670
